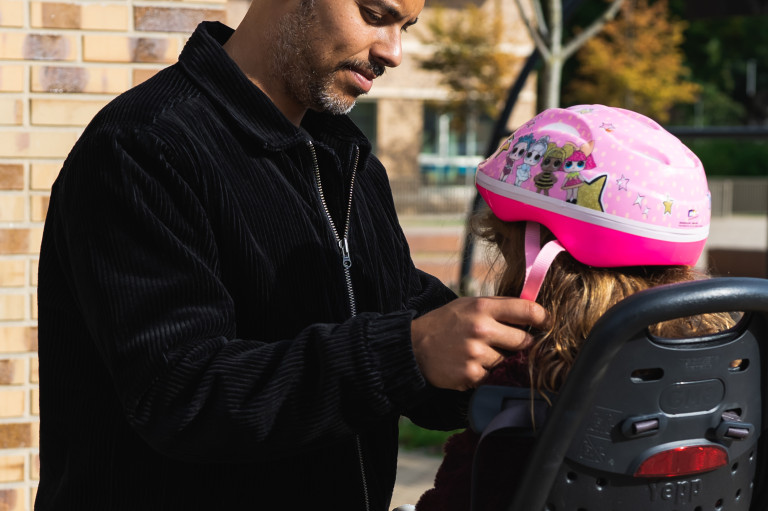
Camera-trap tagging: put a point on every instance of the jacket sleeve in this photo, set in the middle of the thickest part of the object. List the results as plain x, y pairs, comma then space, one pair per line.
141, 259
434, 408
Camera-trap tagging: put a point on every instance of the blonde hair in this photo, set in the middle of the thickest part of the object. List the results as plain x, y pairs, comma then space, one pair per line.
576, 296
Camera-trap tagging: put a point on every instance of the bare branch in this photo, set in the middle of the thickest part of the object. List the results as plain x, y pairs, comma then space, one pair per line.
594, 28
541, 45
541, 22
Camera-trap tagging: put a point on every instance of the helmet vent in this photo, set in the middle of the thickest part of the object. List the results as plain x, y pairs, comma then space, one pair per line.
651, 152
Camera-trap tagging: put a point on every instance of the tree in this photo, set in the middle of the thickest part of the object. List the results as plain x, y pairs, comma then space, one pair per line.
547, 34
728, 55
636, 62
469, 58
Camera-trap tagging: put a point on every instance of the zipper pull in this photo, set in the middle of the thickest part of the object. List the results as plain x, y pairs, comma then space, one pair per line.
346, 259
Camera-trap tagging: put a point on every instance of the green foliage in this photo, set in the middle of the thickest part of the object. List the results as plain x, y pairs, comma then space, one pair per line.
635, 62
468, 57
731, 157
414, 437
719, 52
714, 108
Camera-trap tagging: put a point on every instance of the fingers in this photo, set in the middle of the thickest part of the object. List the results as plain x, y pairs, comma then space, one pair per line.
516, 311
456, 345
505, 323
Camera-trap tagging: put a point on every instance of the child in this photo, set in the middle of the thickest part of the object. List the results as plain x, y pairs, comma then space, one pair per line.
640, 220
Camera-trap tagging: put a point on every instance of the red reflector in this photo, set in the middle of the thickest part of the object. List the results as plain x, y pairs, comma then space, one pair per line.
682, 461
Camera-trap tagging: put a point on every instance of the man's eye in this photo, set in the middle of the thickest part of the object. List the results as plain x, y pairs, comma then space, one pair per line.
372, 16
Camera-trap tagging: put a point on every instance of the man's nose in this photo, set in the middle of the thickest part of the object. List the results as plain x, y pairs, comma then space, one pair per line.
388, 48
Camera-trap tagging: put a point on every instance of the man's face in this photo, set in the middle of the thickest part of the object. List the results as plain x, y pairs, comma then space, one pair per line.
328, 52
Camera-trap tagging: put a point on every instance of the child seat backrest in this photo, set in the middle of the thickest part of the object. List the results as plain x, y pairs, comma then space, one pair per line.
645, 423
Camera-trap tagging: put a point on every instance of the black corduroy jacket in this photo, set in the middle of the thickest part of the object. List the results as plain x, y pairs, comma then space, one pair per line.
196, 344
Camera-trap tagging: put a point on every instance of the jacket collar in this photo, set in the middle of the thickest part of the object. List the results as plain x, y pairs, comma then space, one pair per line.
221, 80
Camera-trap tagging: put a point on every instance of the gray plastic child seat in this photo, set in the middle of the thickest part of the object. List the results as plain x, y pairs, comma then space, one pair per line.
638, 413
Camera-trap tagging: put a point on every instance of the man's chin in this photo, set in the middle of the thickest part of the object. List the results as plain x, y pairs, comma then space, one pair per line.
336, 104
333, 111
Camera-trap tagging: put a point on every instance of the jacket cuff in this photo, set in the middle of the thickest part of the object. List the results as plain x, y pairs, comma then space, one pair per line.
389, 340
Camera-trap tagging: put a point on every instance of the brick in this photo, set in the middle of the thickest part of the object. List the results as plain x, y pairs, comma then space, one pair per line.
42, 175
59, 79
49, 47
109, 48
11, 111
35, 432
33, 272
109, 80
143, 74
12, 307
20, 240
12, 468
64, 112
11, 176
12, 371
18, 339
104, 17
12, 208
11, 78
34, 470
33, 307
20, 45
12, 274
36, 144
12, 499
173, 19
38, 207
11, 13
54, 15
12, 404
34, 370
34, 401
14, 436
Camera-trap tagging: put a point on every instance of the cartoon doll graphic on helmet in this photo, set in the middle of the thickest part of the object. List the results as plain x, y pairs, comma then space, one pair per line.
536, 149
631, 193
553, 160
580, 160
518, 151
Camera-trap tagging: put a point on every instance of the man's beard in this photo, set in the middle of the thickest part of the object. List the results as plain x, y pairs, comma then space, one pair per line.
295, 65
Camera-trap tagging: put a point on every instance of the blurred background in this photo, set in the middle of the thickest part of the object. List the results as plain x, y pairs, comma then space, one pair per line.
473, 71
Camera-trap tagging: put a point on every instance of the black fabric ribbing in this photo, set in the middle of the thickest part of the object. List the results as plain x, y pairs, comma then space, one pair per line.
195, 350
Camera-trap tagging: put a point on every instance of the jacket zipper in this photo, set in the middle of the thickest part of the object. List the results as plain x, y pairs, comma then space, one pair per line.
346, 260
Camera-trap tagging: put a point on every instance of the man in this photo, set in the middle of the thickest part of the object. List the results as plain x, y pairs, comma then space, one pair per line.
229, 315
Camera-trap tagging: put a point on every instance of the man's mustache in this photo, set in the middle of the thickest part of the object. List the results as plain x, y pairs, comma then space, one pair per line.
370, 66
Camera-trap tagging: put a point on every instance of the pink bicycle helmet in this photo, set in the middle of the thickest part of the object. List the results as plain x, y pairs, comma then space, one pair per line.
612, 185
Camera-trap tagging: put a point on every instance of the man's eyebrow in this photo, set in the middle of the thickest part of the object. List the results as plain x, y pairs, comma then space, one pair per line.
393, 11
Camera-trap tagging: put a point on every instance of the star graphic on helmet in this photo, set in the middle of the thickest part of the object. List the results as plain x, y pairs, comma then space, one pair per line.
591, 192
622, 182
668, 206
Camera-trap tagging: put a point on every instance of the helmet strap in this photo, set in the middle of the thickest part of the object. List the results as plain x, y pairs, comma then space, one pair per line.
538, 259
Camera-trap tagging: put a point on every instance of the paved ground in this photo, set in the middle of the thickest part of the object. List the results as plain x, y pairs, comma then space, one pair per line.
415, 474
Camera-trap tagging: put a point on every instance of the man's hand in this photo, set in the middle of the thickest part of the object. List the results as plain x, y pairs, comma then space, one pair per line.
458, 343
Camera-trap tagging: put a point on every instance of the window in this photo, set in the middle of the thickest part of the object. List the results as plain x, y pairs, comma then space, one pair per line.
364, 115
449, 155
